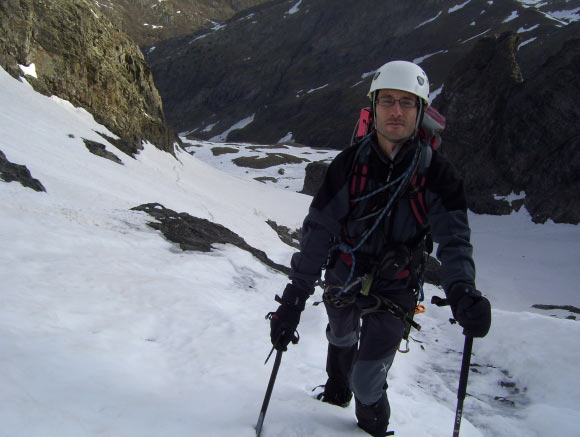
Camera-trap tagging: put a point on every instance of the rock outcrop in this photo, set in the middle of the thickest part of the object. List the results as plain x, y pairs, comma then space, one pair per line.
475, 115
11, 172
194, 233
80, 56
509, 134
540, 146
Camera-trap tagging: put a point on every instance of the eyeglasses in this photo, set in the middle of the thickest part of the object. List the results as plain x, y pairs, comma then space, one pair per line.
405, 102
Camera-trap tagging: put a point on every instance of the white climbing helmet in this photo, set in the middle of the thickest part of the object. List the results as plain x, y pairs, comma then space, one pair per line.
403, 76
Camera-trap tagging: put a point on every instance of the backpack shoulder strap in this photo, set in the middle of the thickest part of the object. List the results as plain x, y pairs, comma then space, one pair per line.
359, 169
426, 157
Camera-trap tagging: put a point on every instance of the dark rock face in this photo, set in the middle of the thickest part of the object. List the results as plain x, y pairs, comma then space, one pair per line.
271, 160
522, 136
79, 56
306, 69
149, 21
288, 236
100, 150
474, 115
570, 308
193, 233
10, 172
541, 138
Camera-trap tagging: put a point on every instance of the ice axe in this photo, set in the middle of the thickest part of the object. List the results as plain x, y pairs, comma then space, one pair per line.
462, 389
464, 374
273, 375
277, 361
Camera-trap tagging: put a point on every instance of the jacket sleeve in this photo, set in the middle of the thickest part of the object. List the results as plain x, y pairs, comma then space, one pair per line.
322, 225
447, 205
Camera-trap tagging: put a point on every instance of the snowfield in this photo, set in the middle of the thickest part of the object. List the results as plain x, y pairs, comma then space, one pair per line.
108, 329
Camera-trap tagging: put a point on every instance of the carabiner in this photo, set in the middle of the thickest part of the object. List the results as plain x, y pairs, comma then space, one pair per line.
406, 347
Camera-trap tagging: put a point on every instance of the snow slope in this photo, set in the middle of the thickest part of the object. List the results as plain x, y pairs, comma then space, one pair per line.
107, 329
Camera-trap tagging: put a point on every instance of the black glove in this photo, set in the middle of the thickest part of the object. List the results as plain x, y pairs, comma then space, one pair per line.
284, 321
471, 310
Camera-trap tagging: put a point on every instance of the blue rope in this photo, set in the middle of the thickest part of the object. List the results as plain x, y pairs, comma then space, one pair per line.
345, 248
381, 189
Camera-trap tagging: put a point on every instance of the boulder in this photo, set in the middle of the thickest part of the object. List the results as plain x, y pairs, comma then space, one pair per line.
314, 176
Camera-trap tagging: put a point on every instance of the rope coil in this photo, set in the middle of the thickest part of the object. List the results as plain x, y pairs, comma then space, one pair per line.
403, 181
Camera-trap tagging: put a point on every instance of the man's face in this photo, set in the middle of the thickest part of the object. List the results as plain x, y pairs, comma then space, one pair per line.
396, 122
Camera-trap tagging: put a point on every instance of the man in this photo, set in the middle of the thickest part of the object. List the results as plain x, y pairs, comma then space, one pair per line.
363, 231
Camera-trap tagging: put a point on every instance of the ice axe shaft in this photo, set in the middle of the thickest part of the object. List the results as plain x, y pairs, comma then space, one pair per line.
273, 375
462, 389
464, 374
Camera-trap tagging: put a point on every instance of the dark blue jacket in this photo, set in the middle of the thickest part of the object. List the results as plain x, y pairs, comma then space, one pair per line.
334, 218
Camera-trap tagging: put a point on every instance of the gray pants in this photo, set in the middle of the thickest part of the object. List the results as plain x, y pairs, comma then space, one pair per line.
378, 337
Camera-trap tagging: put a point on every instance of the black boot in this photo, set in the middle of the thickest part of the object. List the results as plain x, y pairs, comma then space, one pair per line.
336, 393
339, 361
374, 419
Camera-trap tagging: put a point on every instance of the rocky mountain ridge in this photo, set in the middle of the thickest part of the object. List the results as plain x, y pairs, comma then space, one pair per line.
504, 73
301, 69
299, 72
69, 49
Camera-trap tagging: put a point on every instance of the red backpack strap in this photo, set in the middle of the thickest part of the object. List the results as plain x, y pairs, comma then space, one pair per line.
417, 199
359, 171
363, 126
358, 180
365, 122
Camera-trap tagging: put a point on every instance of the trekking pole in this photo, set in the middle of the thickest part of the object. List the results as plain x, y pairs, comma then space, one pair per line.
268, 390
462, 389
464, 374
